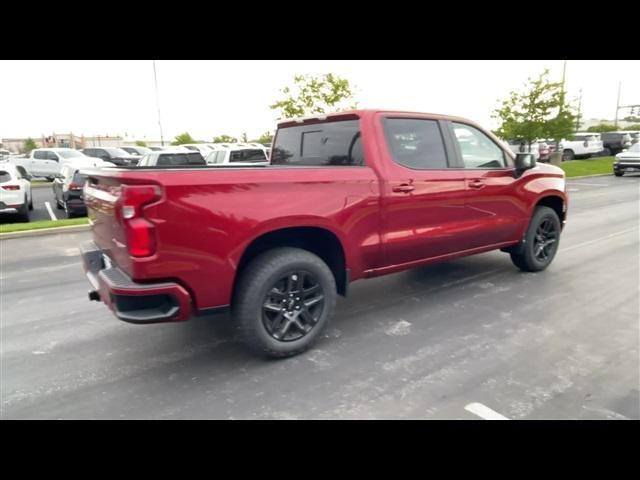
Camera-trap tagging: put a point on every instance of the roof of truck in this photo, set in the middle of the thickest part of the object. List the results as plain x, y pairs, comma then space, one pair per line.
362, 112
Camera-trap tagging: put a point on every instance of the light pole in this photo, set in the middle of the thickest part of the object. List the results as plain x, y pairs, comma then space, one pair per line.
618, 104
155, 79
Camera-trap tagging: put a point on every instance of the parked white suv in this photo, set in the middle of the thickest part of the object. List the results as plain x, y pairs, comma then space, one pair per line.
238, 153
15, 191
584, 145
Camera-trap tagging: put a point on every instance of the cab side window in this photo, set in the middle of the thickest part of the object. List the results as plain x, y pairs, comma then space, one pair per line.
52, 156
40, 155
477, 149
416, 143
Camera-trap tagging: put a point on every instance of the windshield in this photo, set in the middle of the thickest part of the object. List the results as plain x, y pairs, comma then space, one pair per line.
70, 153
116, 152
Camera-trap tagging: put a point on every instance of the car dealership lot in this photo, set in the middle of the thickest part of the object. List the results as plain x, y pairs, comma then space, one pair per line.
420, 344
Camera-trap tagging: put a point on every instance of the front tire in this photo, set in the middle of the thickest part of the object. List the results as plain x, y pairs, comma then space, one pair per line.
568, 155
540, 243
618, 173
283, 301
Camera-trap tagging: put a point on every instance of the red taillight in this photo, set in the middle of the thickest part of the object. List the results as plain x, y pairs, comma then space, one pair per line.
140, 231
75, 186
11, 187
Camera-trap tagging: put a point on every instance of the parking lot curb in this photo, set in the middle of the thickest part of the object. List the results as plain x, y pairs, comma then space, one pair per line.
44, 231
589, 176
41, 185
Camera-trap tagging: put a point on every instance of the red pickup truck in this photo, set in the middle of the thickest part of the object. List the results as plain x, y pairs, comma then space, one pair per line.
347, 196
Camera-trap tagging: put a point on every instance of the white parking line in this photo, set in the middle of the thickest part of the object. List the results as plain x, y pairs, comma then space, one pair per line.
596, 240
51, 214
589, 184
484, 412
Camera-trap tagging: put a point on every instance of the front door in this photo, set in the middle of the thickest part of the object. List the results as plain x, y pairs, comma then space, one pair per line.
494, 209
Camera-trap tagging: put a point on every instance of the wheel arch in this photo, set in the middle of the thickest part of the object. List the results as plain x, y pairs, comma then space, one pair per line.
316, 239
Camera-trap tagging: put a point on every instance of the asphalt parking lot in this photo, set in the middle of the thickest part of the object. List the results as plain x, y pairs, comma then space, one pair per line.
41, 195
423, 344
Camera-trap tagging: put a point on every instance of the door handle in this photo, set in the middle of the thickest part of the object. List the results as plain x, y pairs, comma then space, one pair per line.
403, 188
476, 184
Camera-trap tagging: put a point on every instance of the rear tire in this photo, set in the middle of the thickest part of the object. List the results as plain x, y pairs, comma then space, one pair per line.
58, 205
618, 173
23, 212
568, 155
31, 203
540, 243
283, 301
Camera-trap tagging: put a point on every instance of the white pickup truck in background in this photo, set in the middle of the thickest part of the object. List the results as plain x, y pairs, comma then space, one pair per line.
583, 145
48, 162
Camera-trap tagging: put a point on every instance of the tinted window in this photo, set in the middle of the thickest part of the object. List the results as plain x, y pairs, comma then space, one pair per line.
40, 155
253, 155
415, 143
477, 149
323, 144
169, 159
52, 156
5, 177
79, 178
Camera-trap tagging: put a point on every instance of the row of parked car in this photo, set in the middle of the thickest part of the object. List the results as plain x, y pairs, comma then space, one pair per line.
62, 166
579, 145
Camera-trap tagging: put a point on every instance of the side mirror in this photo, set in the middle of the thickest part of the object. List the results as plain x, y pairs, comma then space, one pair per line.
525, 161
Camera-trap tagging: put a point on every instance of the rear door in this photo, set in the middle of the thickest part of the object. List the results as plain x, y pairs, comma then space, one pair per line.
423, 202
495, 213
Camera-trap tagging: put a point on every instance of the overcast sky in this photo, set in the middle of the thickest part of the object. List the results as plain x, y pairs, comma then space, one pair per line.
212, 97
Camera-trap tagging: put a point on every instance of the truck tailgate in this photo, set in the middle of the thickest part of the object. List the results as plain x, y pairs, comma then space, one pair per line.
101, 196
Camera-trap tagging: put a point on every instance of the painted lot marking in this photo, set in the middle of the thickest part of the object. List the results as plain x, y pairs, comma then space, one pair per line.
588, 184
51, 214
484, 412
596, 240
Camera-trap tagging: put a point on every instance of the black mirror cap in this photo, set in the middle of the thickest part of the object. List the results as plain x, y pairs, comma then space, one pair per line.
525, 161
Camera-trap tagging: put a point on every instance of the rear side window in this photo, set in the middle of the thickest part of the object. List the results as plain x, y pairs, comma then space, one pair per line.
5, 177
322, 144
79, 178
40, 155
176, 159
415, 143
253, 155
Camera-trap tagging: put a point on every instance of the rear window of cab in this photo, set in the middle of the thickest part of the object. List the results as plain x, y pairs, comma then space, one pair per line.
330, 144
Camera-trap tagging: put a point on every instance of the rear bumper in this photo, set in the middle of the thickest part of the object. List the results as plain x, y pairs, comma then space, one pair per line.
131, 301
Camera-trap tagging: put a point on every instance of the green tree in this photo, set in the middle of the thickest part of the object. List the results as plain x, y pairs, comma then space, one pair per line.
602, 127
140, 143
539, 111
315, 94
635, 127
182, 139
266, 137
225, 139
29, 145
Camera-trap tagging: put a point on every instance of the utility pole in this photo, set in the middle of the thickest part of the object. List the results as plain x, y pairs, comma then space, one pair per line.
618, 104
579, 111
155, 79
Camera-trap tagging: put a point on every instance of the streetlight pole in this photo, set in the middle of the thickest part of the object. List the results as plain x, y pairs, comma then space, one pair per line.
579, 112
618, 104
155, 79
